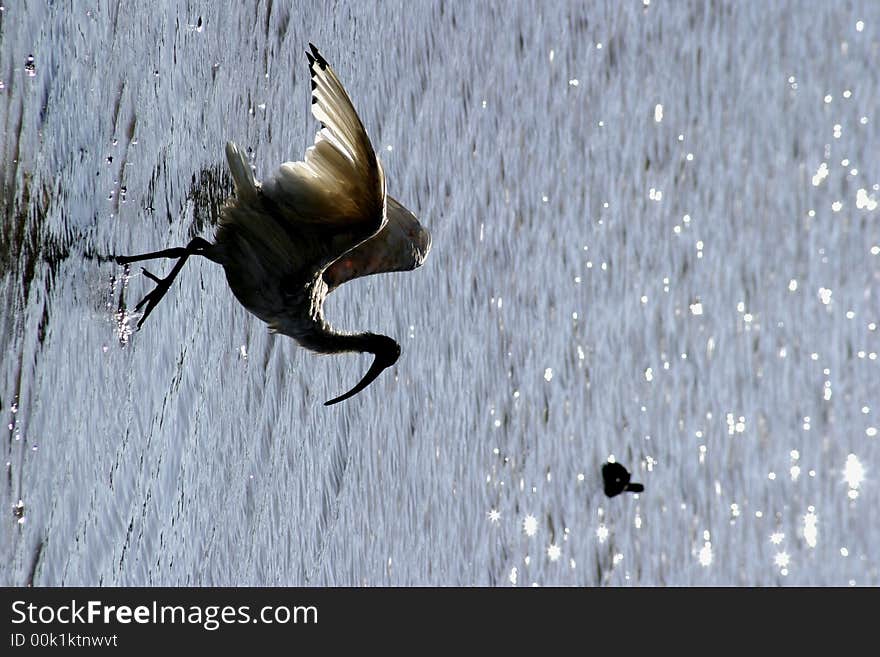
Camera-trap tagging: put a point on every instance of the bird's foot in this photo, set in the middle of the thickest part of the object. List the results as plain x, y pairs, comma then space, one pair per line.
153, 298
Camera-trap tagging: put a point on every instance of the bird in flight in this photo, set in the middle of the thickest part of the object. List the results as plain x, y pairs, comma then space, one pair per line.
289, 241
616, 480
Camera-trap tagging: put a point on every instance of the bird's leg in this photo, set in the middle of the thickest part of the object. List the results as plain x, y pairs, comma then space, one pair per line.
195, 247
162, 286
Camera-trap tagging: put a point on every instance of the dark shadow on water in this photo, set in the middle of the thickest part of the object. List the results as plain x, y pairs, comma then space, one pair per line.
208, 192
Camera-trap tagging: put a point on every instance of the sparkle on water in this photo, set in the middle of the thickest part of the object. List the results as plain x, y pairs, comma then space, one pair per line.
810, 529
705, 554
853, 471
782, 559
820, 174
865, 201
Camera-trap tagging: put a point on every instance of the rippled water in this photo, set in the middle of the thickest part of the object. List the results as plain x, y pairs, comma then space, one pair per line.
655, 237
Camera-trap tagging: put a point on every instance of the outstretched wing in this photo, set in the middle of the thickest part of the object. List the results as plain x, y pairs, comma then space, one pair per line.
401, 245
340, 180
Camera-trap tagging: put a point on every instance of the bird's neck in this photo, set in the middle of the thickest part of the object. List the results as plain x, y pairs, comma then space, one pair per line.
328, 341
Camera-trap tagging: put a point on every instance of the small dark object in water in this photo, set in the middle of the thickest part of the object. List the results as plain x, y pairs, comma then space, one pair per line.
616, 480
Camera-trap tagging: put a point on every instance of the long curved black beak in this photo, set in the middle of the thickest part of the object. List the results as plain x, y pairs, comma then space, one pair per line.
379, 364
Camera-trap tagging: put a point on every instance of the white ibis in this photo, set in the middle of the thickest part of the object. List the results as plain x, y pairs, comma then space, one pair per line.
288, 242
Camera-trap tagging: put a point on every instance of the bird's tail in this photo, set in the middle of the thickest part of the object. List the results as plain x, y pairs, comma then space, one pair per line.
242, 174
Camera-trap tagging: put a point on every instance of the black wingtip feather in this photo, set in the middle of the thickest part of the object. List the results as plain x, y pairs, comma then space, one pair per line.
318, 57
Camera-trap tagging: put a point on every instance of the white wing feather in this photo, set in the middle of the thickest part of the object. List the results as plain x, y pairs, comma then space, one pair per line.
242, 174
401, 245
340, 179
